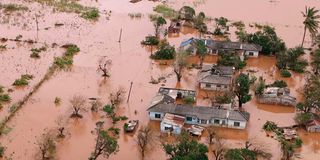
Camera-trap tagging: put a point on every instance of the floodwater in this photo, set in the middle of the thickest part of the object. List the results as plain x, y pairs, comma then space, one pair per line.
130, 63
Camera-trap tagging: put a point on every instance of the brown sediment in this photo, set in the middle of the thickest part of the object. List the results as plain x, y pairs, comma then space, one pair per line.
131, 62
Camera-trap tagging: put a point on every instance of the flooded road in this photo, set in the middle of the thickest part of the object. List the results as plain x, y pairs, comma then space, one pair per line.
130, 63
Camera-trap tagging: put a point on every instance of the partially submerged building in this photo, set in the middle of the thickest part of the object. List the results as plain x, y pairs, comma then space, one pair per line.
177, 93
216, 78
313, 125
278, 96
216, 47
172, 123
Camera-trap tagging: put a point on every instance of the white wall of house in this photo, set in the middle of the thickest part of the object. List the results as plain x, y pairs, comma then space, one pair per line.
155, 115
191, 120
165, 128
251, 53
313, 129
214, 87
228, 123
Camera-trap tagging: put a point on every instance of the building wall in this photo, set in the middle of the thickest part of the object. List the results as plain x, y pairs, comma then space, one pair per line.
313, 129
228, 123
175, 129
214, 87
253, 53
152, 116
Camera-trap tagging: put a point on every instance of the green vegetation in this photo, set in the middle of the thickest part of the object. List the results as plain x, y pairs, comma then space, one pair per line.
150, 41
260, 87
67, 59
189, 100
166, 11
311, 22
91, 14
285, 73
165, 52
226, 98
36, 51
13, 7
3, 47
242, 87
71, 6
23, 81
201, 50
158, 22
187, 13
4, 98
186, 148
278, 83
222, 27
315, 63
302, 118
240, 154
270, 126
1, 151
231, 60
311, 95
291, 60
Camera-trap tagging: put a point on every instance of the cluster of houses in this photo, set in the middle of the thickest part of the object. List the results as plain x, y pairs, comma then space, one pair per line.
174, 116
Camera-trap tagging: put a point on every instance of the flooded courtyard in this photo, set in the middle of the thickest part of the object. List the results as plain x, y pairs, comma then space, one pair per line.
130, 64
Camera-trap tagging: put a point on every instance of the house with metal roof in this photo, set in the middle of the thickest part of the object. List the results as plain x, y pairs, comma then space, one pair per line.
200, 114
216, 47
216, 78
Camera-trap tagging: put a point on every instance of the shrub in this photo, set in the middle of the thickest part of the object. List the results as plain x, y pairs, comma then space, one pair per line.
5, 98
299, 66
165, 52
116, 131
72, 50
278, 83
260, 87
231, 60
23, 81
285, 73
150, 40
270, 126
224, 99
92, 14
166, 11
189, 100
36, 51
1, 151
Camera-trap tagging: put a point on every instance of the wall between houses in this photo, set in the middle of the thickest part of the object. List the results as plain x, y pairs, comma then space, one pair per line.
214, 87
152, 116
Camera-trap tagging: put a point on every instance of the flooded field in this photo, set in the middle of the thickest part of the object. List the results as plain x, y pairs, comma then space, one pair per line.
130, 63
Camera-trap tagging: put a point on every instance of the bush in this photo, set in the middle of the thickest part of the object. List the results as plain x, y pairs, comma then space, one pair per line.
5, 98
285, 73
165, 52
166, 11
72, 50
303, 118
1, 151
278, 83
23, 81
231, 60
150, 40
188, 100
36, 51
92, 14
299, 66
270, 126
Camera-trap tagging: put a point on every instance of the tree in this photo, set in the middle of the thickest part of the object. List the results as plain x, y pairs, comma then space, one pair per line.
211, 134
242, 86
311, 22
221, 26
200, 24
2, 149
47, 146
61, 122
202, 50
104, 66
117, 97
157, 23
144, 139
179, 64
95, 105
77, 104
315, 63
219, 149
260, 87
290, 59
311, 94
186, 148
105, 144
165, 52
230, 59
240, 154
187, 13
303, 118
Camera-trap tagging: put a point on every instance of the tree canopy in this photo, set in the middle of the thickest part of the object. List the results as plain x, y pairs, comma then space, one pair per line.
242, 86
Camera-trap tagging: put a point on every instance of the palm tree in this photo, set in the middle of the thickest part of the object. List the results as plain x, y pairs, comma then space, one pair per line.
311, 22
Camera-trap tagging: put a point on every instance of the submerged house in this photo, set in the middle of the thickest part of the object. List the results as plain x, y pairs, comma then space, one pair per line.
172, 123
216, 47
313, 125
278, 96
216, 78
175, 26
177, 93
194, 115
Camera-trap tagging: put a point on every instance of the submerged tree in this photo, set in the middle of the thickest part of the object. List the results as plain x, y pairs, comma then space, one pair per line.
104, 66
144, 140
311, 95
187, 13
311, 22
179, 64
78, 103
61, 123
241, 89
157, 23
47, 146
218, 148
105, 144
316, 62
202, 50
186, 148
117, 97
211, 134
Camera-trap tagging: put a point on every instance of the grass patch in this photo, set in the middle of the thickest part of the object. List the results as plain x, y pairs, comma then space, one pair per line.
13, 7
166, 11
5, 98
67, 59
23, 81
71, 6
92, 14
36, 51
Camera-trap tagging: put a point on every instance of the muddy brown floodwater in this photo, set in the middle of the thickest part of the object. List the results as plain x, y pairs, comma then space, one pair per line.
131, 63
